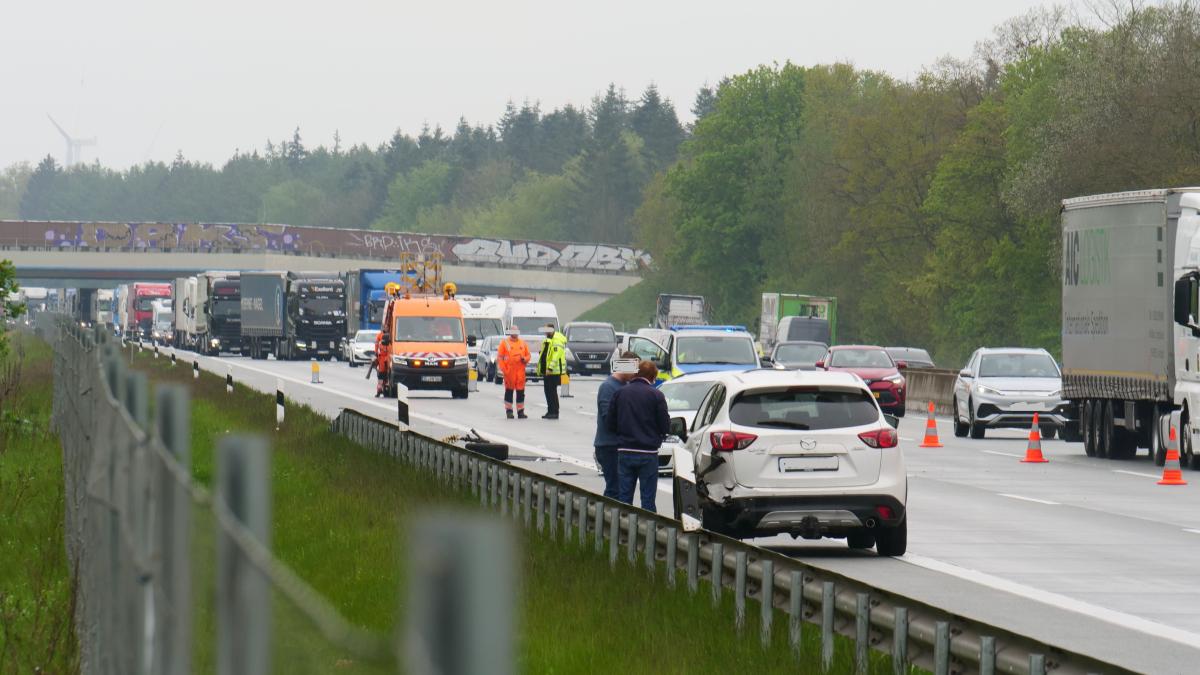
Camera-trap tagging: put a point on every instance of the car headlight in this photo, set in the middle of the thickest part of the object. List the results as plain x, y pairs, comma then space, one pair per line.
895, 379
461, 360
1055, 394
570, 354
214, 342
987, 390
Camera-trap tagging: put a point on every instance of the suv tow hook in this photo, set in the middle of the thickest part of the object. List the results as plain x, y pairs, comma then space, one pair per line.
810, 527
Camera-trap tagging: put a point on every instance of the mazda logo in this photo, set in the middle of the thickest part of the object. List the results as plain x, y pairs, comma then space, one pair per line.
808, 444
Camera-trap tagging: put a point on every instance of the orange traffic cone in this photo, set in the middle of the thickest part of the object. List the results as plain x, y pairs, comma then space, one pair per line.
931, 437
1033, 454
1172, 472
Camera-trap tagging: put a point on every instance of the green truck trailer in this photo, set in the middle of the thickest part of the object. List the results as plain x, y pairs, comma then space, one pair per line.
791, 316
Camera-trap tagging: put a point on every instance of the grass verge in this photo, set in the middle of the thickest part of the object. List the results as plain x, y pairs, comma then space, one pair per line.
341, 517
37, 591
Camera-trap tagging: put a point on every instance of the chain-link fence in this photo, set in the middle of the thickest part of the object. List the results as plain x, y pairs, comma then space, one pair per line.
175, 579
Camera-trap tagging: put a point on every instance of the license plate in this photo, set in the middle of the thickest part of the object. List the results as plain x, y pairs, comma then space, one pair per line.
593, 366
875, 394
431, 378
794, 464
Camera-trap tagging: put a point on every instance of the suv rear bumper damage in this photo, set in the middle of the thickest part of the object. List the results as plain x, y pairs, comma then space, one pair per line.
811, 517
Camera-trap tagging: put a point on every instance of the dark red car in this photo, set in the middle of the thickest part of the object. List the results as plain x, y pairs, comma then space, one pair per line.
876, 368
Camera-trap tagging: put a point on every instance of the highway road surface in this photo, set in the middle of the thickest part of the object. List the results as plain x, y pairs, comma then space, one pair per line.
1087, 553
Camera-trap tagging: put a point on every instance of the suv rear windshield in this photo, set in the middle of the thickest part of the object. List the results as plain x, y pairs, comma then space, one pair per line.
805, 408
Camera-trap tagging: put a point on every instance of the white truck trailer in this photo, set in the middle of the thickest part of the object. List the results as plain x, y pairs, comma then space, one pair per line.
1131, 320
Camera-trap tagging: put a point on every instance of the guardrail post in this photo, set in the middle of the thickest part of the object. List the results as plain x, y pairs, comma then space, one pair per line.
515, 481
900, 641
739, 590
941, 649
527, 508
503, 492
1037, 664
862, 632
795, 610
693, 563
540, 506
553, 513
583, 512
460, 598
651, 545
568, 501
672, 546
631, 537
243, 592
828, 598
614, 535
716, 571
987, 655
766, 600
598, 532
174, 534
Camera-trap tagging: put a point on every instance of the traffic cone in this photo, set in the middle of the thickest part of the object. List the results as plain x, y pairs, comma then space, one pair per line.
1172, 472
1033, 454
931, 435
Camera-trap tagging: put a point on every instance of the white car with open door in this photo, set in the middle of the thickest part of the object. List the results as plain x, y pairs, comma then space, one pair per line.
808, 454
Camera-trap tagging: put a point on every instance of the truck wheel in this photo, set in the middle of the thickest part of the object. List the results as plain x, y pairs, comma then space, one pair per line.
1049, 433
1087, 410
459, 393
892, 541
960, 428
978, 430
1158, 443
1187, 453
1104, 428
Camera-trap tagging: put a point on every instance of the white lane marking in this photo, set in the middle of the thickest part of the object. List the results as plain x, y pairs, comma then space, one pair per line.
997, 452
1029, 499
566, 459
1056, 600
1191, 531
1136, 473
584, 412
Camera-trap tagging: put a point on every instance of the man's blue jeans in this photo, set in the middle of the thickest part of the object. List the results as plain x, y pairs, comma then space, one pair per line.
634, 468
606, 457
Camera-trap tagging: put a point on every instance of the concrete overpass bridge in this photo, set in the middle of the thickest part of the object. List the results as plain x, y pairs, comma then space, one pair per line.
574, 276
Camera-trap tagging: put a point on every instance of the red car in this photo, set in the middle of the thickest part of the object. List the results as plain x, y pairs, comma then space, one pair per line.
876, 368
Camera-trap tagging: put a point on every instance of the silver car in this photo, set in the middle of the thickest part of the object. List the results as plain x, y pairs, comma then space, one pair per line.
1003, 388
485, 360
360, 350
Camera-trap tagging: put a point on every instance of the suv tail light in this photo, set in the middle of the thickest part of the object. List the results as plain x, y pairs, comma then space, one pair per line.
731, 440
880, 438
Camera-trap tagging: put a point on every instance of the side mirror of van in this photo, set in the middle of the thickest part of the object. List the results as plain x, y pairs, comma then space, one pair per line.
471, 341
1187, 301
386, 341
820, 364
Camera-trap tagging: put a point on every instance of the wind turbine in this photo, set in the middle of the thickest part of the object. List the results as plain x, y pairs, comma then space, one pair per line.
74, 145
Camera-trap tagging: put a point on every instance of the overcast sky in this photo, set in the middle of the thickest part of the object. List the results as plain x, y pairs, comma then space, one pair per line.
148, 78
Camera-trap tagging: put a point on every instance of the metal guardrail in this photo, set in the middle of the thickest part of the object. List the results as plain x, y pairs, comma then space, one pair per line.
913, 632
137, 526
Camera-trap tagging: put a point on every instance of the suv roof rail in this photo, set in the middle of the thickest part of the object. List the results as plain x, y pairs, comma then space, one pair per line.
728, 328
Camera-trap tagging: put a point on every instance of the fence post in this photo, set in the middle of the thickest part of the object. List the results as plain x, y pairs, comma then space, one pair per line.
739, 590
631, 538
672, 546
987, 655
796, 610
174, 536
693, 563
900, 641
460, 596
716, 571
243, 592
941, 648
614, 535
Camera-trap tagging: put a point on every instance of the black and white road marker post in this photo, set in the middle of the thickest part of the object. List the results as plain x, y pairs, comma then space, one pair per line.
402, 407
172, 358
229, 380
278, 404
196, 369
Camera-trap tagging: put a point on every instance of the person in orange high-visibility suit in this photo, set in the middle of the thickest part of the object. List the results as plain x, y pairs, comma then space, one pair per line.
512, 356
382, 365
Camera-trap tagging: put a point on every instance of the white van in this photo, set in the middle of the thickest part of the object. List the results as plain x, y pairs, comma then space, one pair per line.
529, 315
483, 317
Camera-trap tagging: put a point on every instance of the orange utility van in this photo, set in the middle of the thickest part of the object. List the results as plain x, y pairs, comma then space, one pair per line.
427, 345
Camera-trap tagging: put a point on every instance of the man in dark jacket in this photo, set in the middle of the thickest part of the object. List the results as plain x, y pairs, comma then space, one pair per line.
638, 416
624, 368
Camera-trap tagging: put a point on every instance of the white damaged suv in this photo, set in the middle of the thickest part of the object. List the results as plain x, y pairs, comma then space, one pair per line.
808, 454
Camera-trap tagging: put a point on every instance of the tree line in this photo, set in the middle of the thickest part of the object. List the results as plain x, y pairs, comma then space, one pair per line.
928, 206
568, 174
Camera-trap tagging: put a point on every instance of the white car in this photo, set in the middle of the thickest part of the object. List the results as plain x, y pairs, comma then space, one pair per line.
360, 349
808, 454
1004, 388
684, 395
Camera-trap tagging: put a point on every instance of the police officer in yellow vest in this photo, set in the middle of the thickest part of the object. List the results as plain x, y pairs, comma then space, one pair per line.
552, 364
